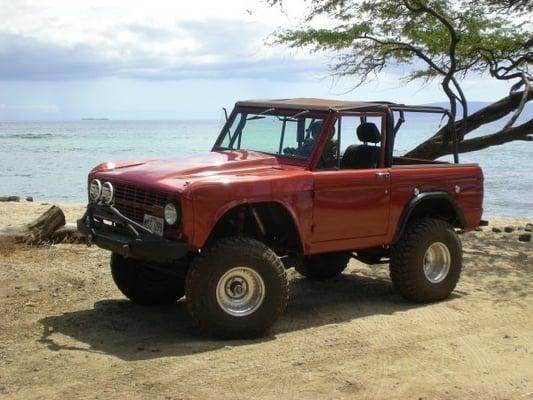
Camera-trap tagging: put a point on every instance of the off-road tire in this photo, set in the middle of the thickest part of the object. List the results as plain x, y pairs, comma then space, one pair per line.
210, 266
323, 266
144, 285
407, 260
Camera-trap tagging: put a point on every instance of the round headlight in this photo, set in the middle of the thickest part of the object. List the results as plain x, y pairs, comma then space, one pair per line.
171, 214
95, 190
107, 193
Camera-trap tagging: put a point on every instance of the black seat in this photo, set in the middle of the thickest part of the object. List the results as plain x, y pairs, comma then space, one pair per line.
363, 156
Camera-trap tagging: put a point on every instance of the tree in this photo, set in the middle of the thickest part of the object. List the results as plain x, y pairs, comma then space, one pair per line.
436, 39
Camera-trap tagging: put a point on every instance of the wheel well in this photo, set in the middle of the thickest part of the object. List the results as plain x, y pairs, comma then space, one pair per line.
267, 222
438, 207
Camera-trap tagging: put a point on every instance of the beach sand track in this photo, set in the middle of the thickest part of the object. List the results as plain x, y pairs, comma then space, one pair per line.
66, 331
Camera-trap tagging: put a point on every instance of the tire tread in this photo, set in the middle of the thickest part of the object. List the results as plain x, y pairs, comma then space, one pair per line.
402, 253
228, 246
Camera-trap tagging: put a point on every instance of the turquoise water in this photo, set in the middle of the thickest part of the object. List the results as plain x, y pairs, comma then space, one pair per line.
50, 160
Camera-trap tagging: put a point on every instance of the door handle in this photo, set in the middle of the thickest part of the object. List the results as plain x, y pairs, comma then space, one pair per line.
384, 175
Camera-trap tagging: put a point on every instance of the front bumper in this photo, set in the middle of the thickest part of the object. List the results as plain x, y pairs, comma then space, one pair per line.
127, 237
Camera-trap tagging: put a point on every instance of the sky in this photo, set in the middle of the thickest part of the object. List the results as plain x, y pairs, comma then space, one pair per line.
64, 60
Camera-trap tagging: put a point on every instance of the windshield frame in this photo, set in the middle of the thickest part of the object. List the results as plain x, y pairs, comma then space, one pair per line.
281, 112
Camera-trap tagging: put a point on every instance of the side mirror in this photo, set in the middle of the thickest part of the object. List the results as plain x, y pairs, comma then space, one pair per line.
225, 112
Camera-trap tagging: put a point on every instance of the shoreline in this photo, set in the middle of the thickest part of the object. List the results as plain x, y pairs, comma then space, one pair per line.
19, 213
70, 207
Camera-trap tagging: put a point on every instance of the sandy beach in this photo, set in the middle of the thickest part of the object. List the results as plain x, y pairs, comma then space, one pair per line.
67, 332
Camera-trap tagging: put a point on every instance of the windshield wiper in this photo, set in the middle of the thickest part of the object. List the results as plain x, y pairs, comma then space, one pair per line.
260, 115
299, 114
293, 118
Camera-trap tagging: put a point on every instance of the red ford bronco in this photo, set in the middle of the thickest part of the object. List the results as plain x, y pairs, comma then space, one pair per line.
304, 183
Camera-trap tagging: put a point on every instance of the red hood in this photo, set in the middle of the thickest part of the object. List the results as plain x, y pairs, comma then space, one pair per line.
178, 173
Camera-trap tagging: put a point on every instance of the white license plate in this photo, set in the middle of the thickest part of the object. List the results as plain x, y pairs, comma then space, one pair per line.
154, 224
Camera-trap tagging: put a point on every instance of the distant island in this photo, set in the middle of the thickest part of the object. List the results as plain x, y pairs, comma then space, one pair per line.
95, 119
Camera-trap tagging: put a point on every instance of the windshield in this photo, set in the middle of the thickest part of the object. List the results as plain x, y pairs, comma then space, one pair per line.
287, 135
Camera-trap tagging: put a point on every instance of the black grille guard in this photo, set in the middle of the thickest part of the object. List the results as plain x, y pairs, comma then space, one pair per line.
131, 239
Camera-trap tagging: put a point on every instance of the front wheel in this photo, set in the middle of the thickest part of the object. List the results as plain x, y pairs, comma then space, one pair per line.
426, 262
144, 285
236, 288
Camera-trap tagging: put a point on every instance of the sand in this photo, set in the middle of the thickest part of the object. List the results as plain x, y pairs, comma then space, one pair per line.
67, 332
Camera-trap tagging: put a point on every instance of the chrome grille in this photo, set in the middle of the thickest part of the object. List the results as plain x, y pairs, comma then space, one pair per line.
133, 202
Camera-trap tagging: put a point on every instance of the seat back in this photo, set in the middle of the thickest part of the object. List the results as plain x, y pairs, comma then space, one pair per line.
363, 156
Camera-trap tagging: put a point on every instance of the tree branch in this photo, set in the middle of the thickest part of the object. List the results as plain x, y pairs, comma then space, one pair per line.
464, 105
488, 114
520, 107
404, 47
454, 40
437, 148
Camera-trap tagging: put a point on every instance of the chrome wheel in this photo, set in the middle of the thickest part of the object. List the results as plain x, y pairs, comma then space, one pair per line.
240, 291
437, 261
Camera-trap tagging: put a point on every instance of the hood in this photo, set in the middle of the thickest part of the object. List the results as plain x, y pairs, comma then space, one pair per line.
178, 173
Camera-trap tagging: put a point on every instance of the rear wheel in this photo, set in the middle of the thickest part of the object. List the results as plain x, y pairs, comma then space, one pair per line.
323, 266
236, 288
144, 285
426, 262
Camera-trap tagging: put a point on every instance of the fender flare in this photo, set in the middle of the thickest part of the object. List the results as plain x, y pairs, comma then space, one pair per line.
421, 198
234, 204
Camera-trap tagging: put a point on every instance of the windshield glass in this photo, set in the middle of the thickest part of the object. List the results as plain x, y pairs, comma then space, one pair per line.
287, 135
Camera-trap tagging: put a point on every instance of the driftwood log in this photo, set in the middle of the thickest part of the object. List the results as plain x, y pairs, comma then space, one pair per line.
67, 233
40, 230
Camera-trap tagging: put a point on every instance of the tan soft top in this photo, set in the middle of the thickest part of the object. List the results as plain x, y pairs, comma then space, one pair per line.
309, 103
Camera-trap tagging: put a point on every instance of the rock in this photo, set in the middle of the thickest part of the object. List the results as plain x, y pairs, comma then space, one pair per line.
525, 237
479, 229
29, 198
483, 222
529, 228
33, 289
496, 230
508, 229
297, 363
9, 198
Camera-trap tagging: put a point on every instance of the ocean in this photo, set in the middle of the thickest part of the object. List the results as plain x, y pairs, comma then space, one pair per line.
50, 160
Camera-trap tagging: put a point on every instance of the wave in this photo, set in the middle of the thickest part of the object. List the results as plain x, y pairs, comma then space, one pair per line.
27, 136
15, 175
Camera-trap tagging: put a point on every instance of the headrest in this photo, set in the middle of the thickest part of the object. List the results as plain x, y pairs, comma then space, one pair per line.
368, 132
314, 128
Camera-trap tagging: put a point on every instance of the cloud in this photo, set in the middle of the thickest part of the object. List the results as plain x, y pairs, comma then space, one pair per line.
41, 108
38, 44
32, 59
